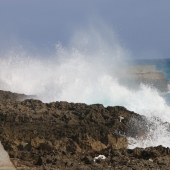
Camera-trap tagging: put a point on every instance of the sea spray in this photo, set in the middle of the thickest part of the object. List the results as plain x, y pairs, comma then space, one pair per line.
86, 72
157, 133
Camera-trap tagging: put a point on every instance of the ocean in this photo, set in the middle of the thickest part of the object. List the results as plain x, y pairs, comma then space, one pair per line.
83, 76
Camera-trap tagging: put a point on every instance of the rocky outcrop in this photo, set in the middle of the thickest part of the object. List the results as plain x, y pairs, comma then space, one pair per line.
62, 135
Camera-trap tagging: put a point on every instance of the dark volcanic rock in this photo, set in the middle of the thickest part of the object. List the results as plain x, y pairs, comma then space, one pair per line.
61, 135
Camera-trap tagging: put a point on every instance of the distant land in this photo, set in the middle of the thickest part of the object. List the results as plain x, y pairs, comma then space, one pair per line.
133, 76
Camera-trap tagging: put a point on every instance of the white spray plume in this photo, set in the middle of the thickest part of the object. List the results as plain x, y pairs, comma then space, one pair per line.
85, 71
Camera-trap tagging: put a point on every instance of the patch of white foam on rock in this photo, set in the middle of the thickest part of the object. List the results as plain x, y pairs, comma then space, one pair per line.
99, 157
5, 163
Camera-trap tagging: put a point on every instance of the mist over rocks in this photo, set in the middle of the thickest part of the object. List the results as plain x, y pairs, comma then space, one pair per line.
62, 135
7, 95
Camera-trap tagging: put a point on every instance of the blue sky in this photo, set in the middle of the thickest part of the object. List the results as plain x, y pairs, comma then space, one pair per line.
143, 26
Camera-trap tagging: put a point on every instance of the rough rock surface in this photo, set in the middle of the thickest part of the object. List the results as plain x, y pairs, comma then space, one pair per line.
62, 135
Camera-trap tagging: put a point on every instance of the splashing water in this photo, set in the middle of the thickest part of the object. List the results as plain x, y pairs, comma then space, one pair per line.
158, 134
84, 72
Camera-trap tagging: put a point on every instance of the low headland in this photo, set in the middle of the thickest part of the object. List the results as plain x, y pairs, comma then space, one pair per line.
133, 76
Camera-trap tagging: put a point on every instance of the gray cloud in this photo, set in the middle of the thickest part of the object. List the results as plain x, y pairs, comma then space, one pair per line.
142, 26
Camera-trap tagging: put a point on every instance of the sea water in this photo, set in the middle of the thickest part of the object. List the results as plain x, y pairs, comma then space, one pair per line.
85, 71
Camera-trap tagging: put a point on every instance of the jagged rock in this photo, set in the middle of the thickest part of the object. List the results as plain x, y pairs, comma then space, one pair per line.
62, 135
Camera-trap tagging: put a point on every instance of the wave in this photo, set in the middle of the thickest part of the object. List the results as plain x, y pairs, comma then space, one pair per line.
84, 71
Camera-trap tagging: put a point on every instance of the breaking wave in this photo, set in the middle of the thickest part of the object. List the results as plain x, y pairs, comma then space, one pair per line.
85, 71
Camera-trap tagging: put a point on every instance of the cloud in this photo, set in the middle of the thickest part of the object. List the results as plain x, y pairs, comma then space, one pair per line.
141, 26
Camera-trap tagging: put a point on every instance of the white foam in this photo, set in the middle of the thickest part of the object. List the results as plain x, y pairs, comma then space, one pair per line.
158, 134
99, 157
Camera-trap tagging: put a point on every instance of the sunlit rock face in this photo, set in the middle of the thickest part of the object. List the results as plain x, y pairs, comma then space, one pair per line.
5, 163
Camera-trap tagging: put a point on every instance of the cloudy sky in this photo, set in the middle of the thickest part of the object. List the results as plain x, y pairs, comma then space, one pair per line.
142, 27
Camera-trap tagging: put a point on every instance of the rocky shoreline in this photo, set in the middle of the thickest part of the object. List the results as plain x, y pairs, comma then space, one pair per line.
74, 136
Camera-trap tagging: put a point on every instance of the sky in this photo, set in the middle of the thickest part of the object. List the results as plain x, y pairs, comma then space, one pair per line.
142, 27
